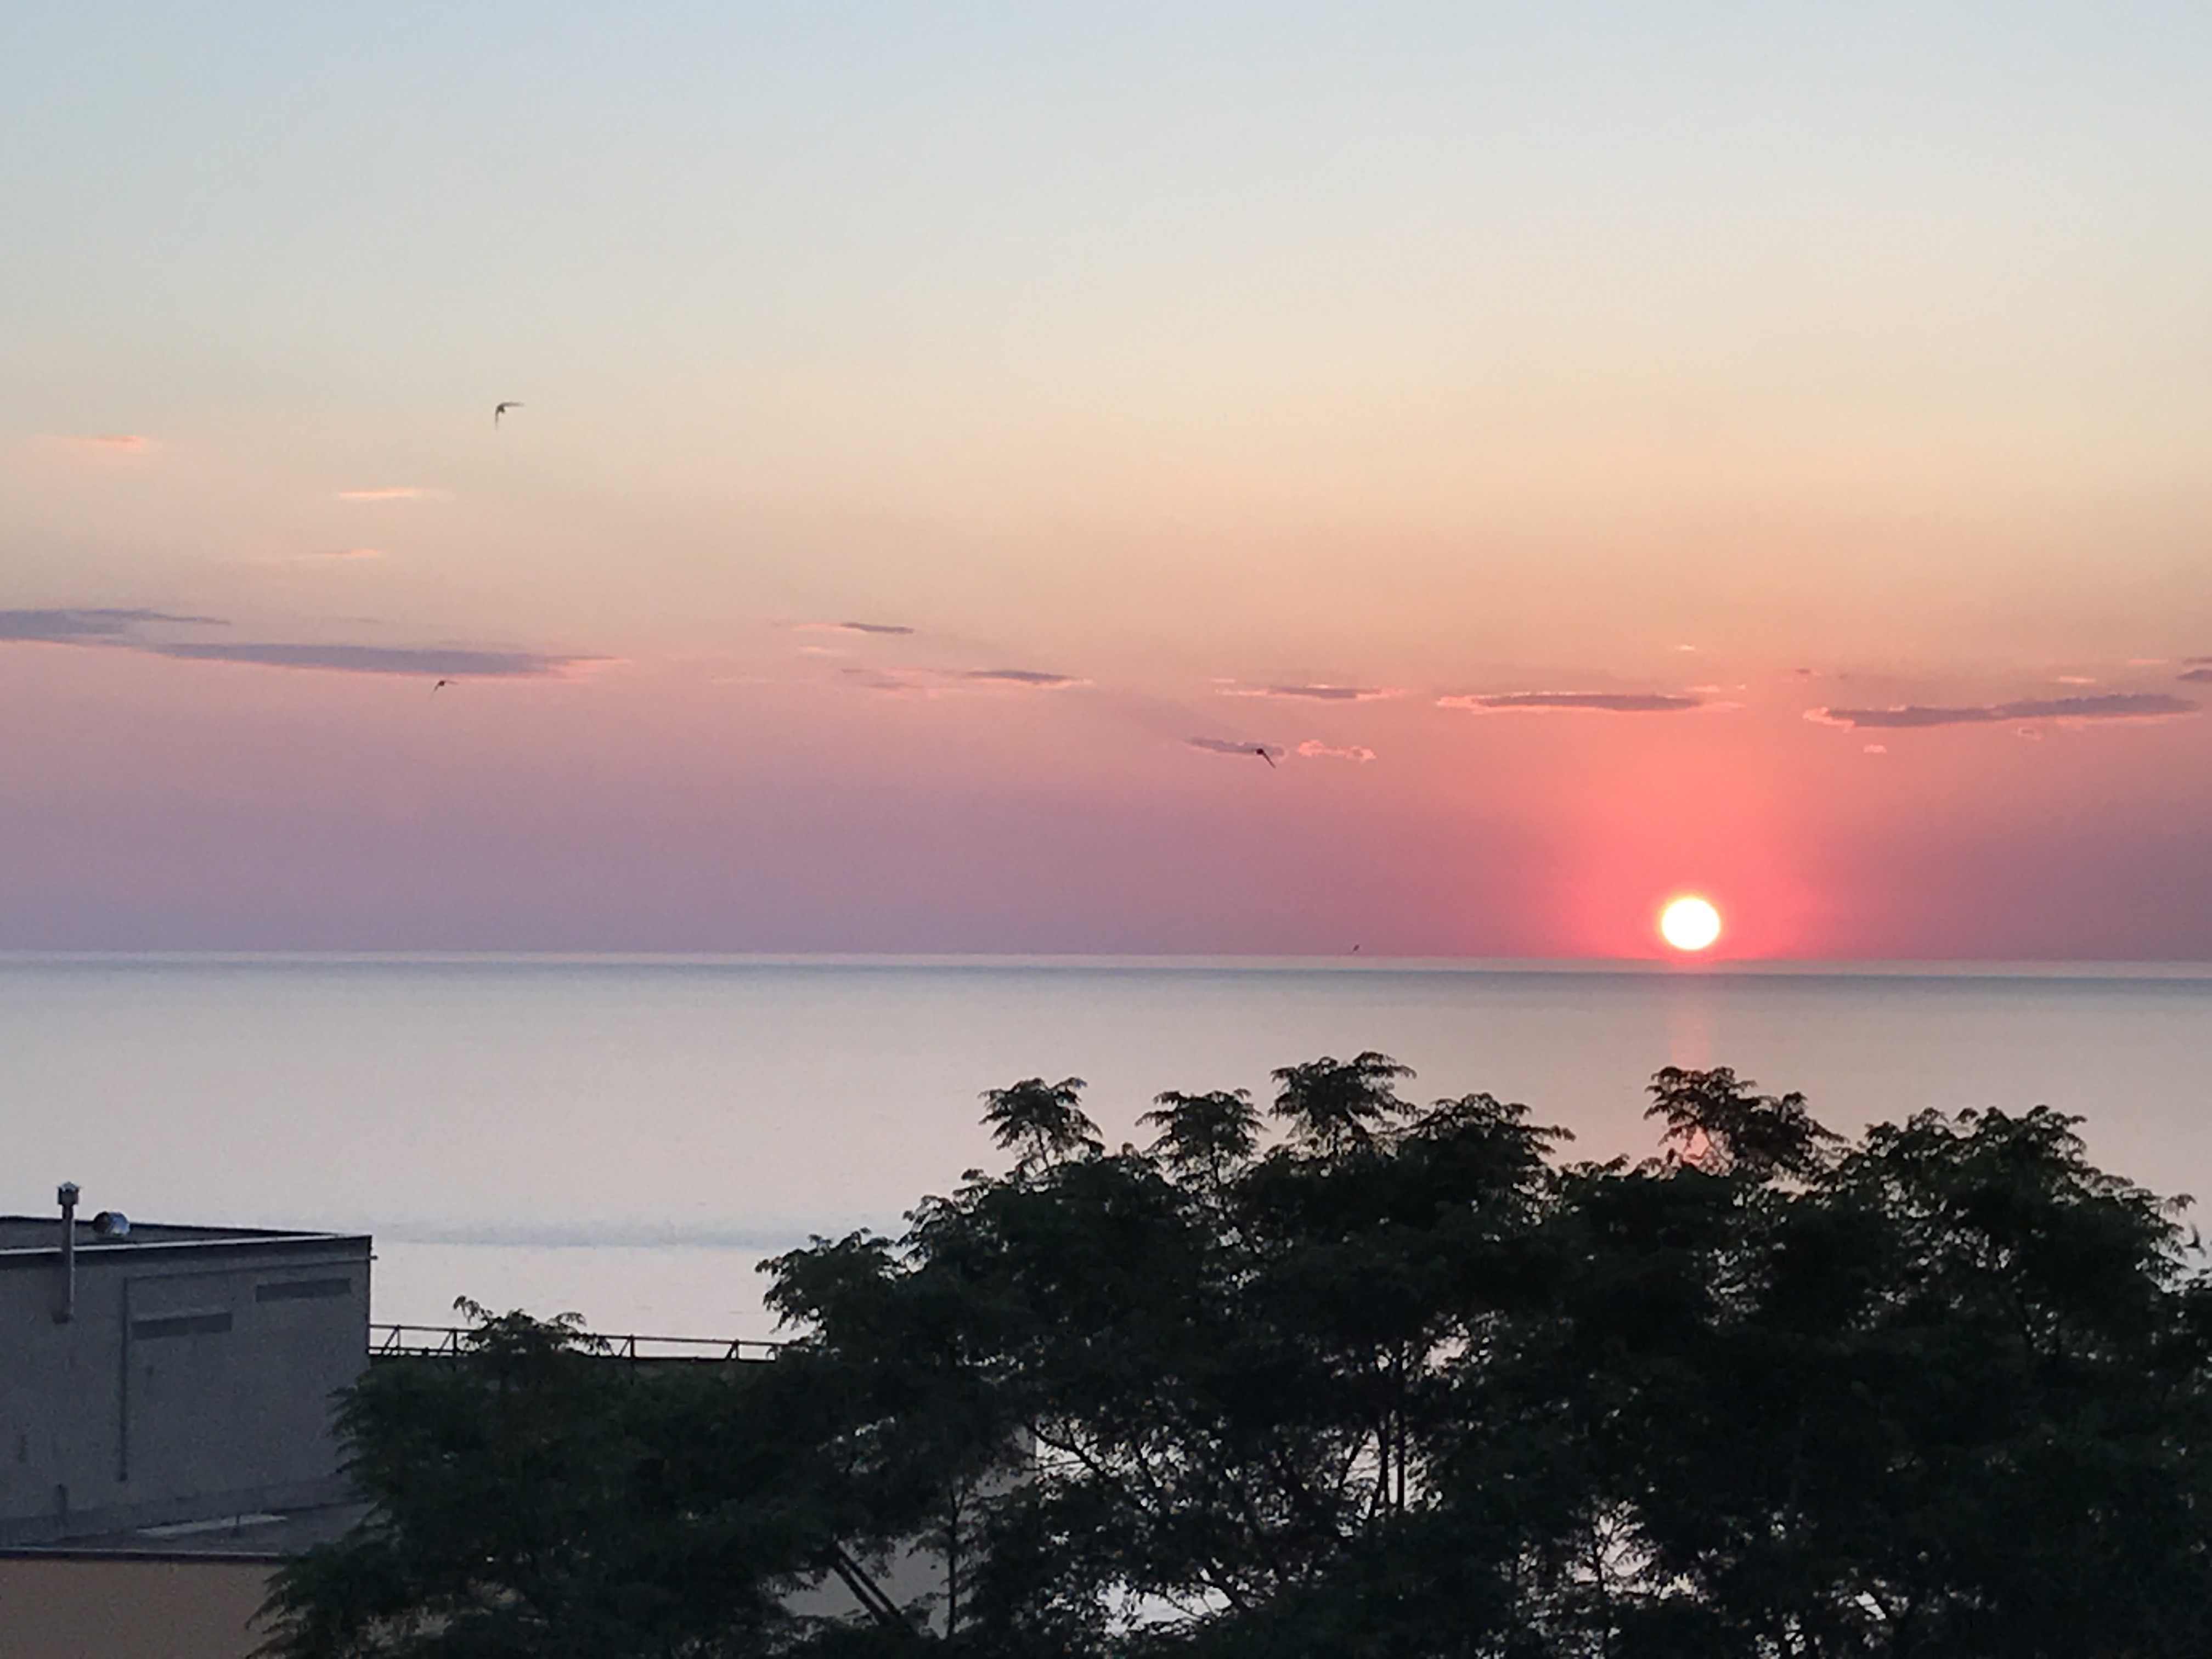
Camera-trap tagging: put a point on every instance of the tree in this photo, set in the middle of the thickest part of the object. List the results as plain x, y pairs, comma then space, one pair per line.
1041, 1120
535, 1495
1335, 1106
1206, 1136
1401, 1383
1717, 1123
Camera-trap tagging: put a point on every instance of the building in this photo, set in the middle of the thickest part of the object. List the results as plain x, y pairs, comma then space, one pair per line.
178, 1594
155, 1375
166, 1430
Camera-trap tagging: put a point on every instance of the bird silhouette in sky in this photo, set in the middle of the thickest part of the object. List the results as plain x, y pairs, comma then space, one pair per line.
499, 410
1261, 750
440, 686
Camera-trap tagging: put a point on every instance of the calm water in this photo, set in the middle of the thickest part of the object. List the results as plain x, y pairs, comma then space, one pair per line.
627, 1138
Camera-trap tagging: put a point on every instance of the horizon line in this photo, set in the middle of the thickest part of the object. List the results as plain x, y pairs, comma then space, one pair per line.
2180, 968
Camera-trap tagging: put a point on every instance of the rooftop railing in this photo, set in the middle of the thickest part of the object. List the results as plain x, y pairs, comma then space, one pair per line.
449, 1341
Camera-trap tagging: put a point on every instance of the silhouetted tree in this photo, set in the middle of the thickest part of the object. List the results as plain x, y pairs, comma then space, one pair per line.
1040, 1120
1401, 1383
1206, 1136
1715, 1117
1337, 1106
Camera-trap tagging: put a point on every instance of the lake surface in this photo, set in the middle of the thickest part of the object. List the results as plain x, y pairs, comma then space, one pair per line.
627, 1138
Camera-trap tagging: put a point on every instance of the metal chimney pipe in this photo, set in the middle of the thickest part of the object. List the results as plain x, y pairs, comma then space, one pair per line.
67, 1311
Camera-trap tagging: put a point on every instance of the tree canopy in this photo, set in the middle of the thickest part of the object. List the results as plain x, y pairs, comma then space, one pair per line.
1402, 1380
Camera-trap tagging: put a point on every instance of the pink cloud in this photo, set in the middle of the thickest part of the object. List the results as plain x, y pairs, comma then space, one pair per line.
2106, 706
931, 682
1312, 693
449, 662
886, 681
1039, 678
1266, 751
1583, 703
1315, 748
388, 493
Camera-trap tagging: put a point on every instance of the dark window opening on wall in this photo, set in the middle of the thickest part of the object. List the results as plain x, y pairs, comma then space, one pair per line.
292, 1289
191, 1324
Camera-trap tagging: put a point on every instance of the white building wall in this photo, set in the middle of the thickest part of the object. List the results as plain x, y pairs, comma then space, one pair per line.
194, 1379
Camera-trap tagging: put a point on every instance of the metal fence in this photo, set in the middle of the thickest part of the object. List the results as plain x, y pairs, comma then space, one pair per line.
432, 1341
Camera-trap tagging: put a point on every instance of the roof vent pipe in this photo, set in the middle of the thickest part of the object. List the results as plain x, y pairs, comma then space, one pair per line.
67, 1311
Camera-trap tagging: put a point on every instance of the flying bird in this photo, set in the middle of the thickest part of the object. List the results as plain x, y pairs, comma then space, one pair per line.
1261, 750
499, 410
440, 686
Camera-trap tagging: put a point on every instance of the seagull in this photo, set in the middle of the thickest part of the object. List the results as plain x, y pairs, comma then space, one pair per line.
1261, 750
440, 686
499, 410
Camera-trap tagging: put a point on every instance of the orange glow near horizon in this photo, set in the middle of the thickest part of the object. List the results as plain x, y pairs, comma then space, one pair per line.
1689, 923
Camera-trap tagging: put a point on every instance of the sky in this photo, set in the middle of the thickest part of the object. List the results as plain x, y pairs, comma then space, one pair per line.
1203, 479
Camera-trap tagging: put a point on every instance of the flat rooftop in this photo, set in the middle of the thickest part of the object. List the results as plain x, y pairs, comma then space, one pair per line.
41, 1234
259, 1535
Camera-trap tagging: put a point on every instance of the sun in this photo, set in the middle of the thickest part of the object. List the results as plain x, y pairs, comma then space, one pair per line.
1689, 923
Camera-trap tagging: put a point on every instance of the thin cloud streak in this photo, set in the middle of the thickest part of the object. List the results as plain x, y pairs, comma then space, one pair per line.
1585, 703
441, 661
1036, 677
1315, 748
388, 493
114, 443
850, 628
117, 629
1313, 693
2111, 706
875, 679
77, 625
2197, 676
1231, 746
936, 681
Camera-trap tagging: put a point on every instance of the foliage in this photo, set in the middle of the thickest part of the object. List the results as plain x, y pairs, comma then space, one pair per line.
1042, 1120
535, 1495
1402, 1383
1717, 1121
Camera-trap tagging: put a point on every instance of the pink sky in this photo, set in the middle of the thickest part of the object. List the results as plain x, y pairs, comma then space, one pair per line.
1517, 426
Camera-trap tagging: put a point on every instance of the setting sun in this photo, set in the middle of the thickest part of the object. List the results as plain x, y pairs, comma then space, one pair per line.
1689, 923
